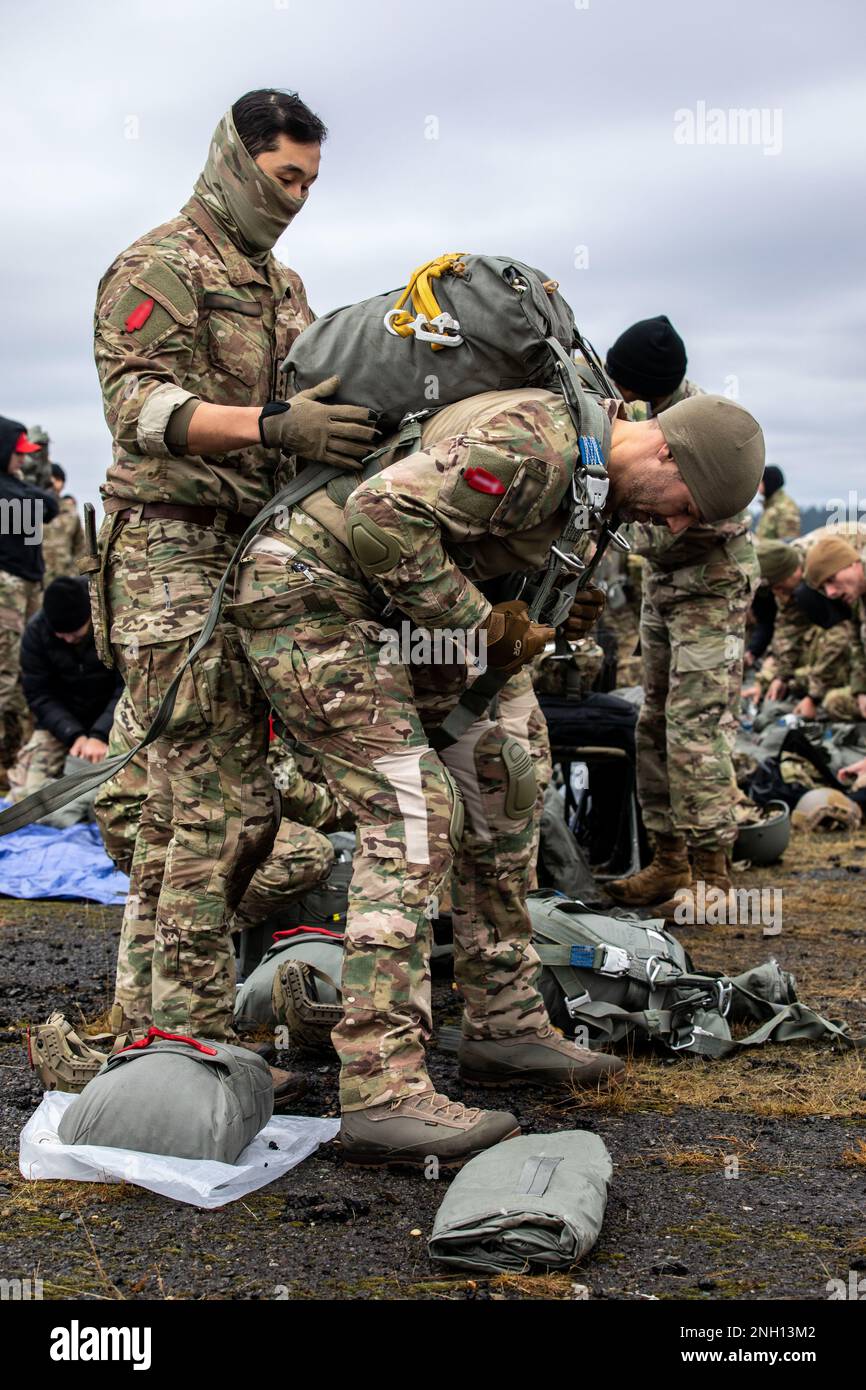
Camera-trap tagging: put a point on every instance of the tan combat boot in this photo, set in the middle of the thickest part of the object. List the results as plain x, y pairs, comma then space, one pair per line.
414, 1129
668, 871
543, 1058
710, 867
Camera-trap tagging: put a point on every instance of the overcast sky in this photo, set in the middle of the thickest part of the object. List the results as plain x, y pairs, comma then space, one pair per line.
560, 127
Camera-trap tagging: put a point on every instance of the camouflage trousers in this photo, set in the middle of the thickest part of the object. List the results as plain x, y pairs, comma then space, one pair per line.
841, 705
300, 858
692, 641
41, 760
19, 600
367, 717
208, 815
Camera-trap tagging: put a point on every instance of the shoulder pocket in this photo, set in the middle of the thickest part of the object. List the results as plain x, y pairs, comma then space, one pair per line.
154, 302
502, 494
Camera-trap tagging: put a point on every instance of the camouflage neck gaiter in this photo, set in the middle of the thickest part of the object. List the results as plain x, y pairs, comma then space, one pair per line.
250, 207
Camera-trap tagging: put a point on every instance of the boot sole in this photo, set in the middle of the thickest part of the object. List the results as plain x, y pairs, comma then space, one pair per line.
546, 1083
362, 1160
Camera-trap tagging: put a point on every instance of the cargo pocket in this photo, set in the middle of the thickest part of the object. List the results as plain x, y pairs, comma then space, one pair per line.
192, 708
235, 353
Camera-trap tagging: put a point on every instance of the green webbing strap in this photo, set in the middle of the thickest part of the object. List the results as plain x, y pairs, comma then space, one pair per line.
57, 794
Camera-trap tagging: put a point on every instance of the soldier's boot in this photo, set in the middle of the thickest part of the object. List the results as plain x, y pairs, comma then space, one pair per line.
710, 867
667, 871
543, 1058
289, 1086
63, 1060
266, 1050
414, 1129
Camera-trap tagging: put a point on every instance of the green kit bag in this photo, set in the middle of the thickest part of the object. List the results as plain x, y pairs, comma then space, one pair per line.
608, 979
169, 1094
490, 333
532, 1203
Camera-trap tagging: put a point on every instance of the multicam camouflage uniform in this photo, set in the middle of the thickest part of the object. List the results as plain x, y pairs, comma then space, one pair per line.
63, 542
184, 313
299, 859
19, 600
811, 660
313, 629
841, 703
697, 588
780, 519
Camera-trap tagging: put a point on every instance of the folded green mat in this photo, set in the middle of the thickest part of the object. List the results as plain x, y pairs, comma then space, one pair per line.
535, 1202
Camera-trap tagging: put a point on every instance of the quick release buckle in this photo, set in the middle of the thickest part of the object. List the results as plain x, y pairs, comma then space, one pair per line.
686, 1041
615, 960
725, 991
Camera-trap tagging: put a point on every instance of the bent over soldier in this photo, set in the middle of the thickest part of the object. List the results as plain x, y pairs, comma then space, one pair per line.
487, 494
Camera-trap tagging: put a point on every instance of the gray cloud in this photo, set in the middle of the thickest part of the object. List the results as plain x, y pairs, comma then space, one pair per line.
556, 130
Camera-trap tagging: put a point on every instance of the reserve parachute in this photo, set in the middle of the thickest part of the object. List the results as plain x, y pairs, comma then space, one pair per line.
462, 325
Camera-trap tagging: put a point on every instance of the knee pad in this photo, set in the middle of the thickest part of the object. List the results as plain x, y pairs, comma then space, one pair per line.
520, 780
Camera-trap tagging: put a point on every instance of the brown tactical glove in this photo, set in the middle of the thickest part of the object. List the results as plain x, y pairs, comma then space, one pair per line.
513, 638
337, 434
585, 612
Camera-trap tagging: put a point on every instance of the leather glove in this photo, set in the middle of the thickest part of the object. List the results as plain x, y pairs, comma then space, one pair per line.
512, 638
585, 612
326, 433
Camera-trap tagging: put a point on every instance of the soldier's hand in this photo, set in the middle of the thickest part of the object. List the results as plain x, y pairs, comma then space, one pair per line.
513, 638
585, 612
327, 433
776, 689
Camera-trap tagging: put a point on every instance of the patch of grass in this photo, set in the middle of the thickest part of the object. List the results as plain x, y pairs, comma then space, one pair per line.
856, 1157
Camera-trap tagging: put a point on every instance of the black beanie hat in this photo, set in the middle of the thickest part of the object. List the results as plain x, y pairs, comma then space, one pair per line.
774, 478
66, 604
649, 358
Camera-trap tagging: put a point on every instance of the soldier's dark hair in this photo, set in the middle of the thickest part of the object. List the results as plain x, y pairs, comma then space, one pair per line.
262, 117
57, 472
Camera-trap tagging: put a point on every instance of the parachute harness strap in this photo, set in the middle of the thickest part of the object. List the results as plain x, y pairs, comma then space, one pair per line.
429, 324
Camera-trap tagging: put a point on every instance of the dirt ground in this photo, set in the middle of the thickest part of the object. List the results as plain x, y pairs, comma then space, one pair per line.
678, 1225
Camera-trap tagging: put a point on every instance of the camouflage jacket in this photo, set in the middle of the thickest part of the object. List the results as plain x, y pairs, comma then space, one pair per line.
63, 542
858, 647
780, 519
183, 313
450, 536
700, 545
810, 659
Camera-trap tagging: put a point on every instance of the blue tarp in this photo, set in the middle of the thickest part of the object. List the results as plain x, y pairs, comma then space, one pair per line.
40, 862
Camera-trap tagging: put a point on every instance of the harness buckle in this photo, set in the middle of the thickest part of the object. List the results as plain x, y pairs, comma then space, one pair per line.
572, 1005
686, 1041
615, 960
443, 328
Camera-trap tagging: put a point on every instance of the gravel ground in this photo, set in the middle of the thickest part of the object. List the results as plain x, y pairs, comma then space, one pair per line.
677, 1226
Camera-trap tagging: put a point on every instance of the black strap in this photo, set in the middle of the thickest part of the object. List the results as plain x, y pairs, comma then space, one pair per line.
57, 794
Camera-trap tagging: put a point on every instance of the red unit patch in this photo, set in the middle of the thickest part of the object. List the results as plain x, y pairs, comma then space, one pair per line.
481, 481
139, 316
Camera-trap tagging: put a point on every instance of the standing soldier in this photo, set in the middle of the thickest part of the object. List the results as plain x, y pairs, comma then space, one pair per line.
780, 519
191, 323
24, 508
489, 493
63, 545
696, 593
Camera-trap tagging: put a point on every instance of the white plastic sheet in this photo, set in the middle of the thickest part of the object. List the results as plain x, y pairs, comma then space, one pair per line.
200, 1182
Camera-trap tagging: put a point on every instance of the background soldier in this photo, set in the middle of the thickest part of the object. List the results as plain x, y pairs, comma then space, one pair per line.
780, 519
24, 509
696, 593
838, 568
805, 660
63, 545
191, 323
